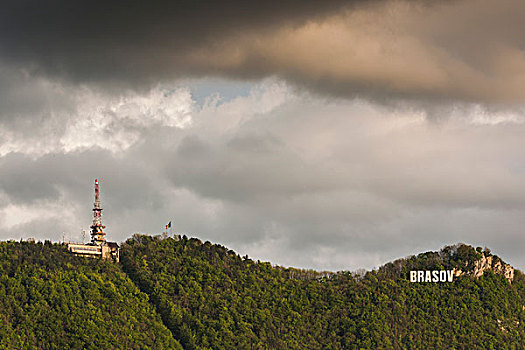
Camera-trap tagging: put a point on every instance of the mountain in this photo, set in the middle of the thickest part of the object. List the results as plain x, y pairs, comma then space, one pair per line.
168, 292
211, 298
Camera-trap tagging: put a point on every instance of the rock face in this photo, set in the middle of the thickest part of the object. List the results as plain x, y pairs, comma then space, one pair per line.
486, 263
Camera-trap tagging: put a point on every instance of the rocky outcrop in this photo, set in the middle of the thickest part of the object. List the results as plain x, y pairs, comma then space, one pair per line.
486, 263
457, 272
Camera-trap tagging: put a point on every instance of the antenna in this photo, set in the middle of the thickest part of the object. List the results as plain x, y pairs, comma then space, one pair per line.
97, 229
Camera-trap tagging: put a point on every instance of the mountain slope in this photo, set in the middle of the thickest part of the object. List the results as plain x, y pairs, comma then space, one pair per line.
210, 298
50, 299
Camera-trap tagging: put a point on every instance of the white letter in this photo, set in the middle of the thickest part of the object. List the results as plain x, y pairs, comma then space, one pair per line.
435, 276
420, 276
450, 275
427, 276
412, 276
442, 276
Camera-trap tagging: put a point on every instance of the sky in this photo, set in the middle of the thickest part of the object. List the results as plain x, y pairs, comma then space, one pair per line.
333, 135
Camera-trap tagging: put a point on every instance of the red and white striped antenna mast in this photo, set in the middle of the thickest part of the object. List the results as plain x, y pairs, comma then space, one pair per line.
97, 229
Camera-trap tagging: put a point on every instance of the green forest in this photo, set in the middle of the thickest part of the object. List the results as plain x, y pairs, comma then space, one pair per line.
211, 298
172, 293
50, 299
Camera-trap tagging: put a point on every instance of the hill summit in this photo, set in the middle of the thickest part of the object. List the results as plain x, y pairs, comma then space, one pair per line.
462, 259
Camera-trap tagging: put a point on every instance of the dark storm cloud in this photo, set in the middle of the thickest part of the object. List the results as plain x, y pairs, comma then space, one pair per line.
137, 40
448, 51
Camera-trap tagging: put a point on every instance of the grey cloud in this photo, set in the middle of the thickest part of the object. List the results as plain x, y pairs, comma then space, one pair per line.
60, 186
31, 105
41, 229
243, 167
21, 183
359, 186
26, 179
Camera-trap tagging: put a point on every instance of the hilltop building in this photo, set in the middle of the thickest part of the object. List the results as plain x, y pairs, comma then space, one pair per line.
99, 247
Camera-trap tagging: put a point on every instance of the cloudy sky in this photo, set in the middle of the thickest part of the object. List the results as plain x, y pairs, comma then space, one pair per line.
324, 134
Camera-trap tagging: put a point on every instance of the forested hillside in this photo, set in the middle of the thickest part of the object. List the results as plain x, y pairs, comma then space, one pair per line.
167, 291
211, 298
50, 299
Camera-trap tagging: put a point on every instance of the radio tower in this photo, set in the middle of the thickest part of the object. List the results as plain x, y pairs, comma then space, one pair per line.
97, 229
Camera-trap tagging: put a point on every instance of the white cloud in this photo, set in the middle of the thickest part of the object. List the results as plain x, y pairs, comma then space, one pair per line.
115, 124
108, 121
